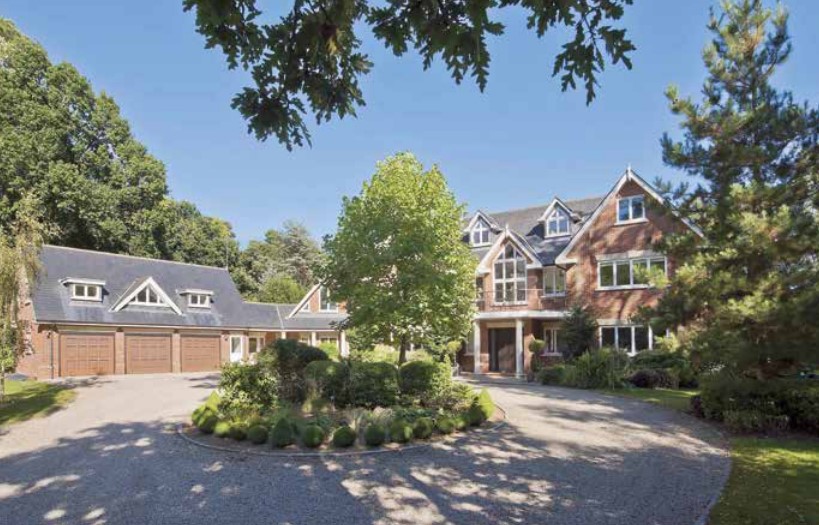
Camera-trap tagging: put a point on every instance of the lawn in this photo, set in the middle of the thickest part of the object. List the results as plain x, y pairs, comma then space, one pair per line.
28, 399
774, 481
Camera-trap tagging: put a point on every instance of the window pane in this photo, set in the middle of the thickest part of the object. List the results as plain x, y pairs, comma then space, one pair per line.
641, 338
658, 265
547, 338
558, 341
607, 274
564, 225
499, 292
142, 296
485, 237
521, 267
637, 211
607, 334
640, 271
521, 293
498, 270
560, 281
624, 338
235, 344
252, 345
622, 210
623, 277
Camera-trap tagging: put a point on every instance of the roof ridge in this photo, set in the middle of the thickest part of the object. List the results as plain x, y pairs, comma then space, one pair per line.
544, 206
132, 256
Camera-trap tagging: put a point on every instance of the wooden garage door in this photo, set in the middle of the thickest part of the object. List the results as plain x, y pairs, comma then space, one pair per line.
147, 354
86, 354
200, 353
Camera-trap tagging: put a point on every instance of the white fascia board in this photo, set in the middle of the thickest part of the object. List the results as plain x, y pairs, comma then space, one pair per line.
82, 280
159, 291
304, 300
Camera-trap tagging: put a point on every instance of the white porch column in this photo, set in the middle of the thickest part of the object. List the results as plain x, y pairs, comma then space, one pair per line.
342, 342
476, 347
312, 339
284, 335
518, 347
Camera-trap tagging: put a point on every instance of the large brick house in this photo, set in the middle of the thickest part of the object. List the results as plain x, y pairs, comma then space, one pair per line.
534, 263
93, 313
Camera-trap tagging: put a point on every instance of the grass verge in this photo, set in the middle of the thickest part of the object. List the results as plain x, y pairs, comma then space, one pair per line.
28, 399
774, 481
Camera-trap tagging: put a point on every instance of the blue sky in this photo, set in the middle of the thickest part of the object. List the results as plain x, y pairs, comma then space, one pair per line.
517, 144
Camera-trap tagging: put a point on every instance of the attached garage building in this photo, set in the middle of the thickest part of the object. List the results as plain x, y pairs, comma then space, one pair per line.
147, 353
200, 353
86, 354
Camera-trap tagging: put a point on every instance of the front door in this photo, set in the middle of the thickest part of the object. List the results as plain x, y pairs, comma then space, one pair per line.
502, 350
236, 350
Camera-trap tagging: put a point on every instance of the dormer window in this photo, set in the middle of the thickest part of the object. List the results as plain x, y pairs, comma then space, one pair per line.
480, 233
148, 297
199, 300
558, 223
325, 303
86, 292
631, 209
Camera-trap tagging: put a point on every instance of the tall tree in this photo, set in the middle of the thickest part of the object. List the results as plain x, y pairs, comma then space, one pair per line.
98, 187
397, 259
309, 60
19, 266
749, 291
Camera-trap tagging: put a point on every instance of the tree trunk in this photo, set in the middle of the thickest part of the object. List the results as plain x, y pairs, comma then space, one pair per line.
2, 386
402, 350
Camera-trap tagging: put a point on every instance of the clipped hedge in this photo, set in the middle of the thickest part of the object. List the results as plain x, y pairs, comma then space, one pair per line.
344, 437
551, 375
400, 431
312, 436
445, 425
424, 381
328, 379
485, 404
221, 429
423, 428
282, 434
257, 434
238, 431
287, 360
373, 384
374, 435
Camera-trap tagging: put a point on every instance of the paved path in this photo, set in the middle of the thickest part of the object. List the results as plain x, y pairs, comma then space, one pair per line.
566, 457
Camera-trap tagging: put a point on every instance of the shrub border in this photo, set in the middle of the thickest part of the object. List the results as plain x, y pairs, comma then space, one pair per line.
182, 431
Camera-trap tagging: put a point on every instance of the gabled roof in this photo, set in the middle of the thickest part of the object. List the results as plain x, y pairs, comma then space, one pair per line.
493, 225
520, 242
137, 286
628, 176
557, 203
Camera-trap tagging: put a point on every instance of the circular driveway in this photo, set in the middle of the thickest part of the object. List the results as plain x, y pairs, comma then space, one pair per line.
565, 456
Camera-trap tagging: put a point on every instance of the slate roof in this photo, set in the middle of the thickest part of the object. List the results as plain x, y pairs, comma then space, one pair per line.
51, 296
527, 224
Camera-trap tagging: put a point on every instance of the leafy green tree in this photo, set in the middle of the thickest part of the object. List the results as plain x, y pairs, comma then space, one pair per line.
281, 289
397, 259
578, 331
308, 59
748, 292
19, 267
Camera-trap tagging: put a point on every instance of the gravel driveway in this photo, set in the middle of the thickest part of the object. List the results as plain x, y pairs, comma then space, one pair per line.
566, 456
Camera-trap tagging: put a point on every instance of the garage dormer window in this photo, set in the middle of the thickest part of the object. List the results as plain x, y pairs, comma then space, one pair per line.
199, 300
631, 209
86, 292
148, 297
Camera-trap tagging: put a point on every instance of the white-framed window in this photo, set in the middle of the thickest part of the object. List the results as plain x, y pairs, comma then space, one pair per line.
86, 292
630, 338
236, 348
254, 344
479, 236
325, 303
148, 297
631, 208
554, 281
199, 300
558, 223
629, 273
510, 276
552, 338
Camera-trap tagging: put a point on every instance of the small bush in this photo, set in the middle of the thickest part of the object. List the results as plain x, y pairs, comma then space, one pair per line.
551, 375
696, 406
445, 425
213, 401
461, 421
344, 437
312, 436
425, 381
282, 434
400, 431
475, 415
423, 428
200, 412
287, 359
801, 403
208, 422
257, 434
644, 378
238, 431
246, 388
485, 404
374, 435
373, 384
458, 397
328, 379
222, 429
597, 369
754, 421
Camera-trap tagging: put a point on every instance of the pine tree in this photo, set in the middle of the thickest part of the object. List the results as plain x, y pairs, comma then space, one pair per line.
748, 292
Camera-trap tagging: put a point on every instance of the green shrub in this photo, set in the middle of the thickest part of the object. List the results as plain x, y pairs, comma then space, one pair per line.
423, 428
551, 375
458, 397
282, 434
257, 434
475, 415
238, 431
286, 359
654, 378
754, 421
445, 425
801, 403
312, 436
208, 421
344, 437
485, 404
400, 431
222, 429
680, 372
461, 421
331, 349
328, 379
374, 435
597, 369
213, 401
424, 381
373, 384
200, 412
246, 388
